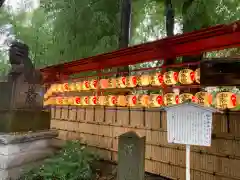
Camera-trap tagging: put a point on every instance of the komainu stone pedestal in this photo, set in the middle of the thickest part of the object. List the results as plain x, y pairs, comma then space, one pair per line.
19, 152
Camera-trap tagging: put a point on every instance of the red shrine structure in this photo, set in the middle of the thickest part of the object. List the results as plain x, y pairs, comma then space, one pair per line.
193, 43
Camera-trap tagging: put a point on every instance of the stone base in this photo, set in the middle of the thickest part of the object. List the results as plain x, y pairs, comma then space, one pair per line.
17, 152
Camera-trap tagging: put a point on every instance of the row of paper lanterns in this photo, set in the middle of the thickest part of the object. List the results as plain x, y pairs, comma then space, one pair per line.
223, 100
185, 76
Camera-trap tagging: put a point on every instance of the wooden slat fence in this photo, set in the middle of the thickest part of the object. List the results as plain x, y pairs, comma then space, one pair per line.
100, 127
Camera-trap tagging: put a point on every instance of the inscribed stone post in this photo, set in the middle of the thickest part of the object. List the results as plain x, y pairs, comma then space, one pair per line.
131, 157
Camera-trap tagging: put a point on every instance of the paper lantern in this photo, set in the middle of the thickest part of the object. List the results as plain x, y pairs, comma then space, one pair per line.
65, 87
204, 98
93, 100
186, 76
104, 83
102, 100
112, 100
170, 78
170, 99
157, 79
121, 100
77, 101
59, 101
94, 84
132, 81
78, 86
85, 85
85, 100
132, 100
70, 100
65, 101
122, 82
72, 86
112, 82
197, 75
144, 80
226, 100
53, 88
59, 88
144, 100
186, 97
156, 100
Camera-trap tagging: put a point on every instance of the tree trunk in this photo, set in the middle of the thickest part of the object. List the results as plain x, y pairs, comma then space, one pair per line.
169, 14
125, 25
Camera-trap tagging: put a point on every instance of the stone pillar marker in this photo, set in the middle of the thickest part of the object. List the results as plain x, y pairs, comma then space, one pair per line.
131, 157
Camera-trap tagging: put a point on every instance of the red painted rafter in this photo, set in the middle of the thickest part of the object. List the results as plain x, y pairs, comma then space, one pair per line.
214, 38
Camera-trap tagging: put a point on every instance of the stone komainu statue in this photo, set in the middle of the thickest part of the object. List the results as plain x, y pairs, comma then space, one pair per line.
25, 79
22, 64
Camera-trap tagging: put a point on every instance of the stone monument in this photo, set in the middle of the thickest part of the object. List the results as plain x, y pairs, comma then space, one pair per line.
21, 99
131, 157
25, 138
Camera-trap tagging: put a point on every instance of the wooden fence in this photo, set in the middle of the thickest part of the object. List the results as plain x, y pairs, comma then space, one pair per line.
100, 127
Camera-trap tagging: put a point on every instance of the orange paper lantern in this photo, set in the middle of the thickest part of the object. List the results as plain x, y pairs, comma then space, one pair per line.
121, 101
132, 81
112, 100
226, 100
186, 76
93, 100
104, 83
85, 85
144, 80
94, 84
170, 99
122, 82
170, 78
156, 100
197, 75
157, 79
204, 98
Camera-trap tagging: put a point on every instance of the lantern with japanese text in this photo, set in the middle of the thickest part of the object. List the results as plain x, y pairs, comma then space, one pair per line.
204, 98
144, 100
170, 78
59, 100
59, 88
132, 100
85, 85
122, 82
132, 81
144, 80
102, 100
104, 83
70, 100
186, 97
65, 101
112, 100
85, 100
93, 100
170, 99
72, 86
197, 75
121, 100
77, 101
65, 87
226, 100
157, 79
53, 88
186, 76
156, 100
93, 84
78, 86
112, 82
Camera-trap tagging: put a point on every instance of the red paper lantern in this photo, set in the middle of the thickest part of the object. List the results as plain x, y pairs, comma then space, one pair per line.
186, 76
132, 100
170, 78
104, 83
157, 79
112, 100
94, 84
132, 81
93, 100
77, 100
85, 85
170, 99
156, 100
204, 98
226, 100
122, 82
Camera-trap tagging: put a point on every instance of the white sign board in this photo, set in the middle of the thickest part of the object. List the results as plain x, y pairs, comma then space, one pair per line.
189, 125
